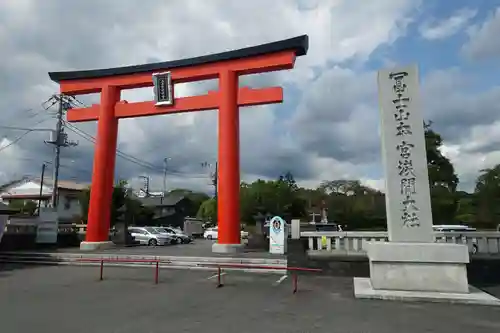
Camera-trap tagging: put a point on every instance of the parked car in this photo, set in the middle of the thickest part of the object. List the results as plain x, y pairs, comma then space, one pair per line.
175, 234
213, 233
149, 236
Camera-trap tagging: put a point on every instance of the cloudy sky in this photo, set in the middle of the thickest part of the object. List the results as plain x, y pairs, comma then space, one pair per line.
328, 126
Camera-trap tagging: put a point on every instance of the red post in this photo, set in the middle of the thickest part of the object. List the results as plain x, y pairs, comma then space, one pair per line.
219, 278
228, 160
157, 271
102, 269
104, 166
295, 282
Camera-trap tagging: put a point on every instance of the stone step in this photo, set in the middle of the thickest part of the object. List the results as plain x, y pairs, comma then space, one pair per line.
266, 265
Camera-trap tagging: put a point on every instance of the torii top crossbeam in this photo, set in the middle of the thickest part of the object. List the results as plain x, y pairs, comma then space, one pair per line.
227, 67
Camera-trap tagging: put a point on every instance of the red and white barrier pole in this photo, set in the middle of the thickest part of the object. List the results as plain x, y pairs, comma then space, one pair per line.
219, 278
295, 281
157, 271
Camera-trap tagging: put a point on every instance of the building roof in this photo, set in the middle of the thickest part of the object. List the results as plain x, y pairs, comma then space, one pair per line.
62, 184
168, 200
65, 184
13, 182
32, 196
298, 44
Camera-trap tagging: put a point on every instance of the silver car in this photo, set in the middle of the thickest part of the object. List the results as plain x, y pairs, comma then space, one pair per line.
176, 234
149, 236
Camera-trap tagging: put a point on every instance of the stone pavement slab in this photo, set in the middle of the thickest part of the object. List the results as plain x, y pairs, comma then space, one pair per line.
71, 299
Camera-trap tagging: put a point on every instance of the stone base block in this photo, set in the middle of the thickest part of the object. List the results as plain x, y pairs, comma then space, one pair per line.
227, 248
92, 246
363, 289
427, 267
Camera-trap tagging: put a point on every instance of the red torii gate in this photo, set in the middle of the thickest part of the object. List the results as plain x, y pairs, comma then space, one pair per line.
227, 67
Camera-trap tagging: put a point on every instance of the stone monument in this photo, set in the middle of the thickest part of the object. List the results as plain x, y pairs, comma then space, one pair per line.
411, 265
122, 236
257, 238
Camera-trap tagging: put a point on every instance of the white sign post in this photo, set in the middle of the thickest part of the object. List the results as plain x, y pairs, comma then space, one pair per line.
277, 235
47, 227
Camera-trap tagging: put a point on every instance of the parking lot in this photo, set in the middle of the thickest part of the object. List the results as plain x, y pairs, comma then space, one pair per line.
71, 299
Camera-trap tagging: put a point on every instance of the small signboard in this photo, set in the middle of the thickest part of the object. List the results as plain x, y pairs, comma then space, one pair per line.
47, 228
163, 90
277, 235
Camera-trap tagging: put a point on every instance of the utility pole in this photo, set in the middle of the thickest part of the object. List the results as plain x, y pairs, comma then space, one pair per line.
165, 161
213, 175
58, 139
41, 188
57, 155
146, 184
215, 179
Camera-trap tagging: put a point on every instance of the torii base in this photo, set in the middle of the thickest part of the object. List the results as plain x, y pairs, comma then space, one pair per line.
94, 246
227, 248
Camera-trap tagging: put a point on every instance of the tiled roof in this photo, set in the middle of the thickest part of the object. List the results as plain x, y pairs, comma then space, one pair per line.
169, 200
64, 184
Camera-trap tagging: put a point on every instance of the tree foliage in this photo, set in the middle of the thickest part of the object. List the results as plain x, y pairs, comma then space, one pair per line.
28, 207
135, 212
443, 181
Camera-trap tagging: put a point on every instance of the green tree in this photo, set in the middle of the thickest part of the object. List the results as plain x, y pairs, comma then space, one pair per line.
466, 208
487, 193
208, 210
196, 198
276, 197
442, 179
25, 207
353, 204
118, 199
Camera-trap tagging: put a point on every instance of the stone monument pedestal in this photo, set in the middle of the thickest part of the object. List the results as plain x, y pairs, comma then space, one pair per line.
418, 266
419, 271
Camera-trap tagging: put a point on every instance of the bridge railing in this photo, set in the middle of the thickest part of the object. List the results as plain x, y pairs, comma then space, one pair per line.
354, 242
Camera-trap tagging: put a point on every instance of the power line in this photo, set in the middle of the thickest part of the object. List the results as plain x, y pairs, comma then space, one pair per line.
213, 175
19, 138
128, 157
125, 156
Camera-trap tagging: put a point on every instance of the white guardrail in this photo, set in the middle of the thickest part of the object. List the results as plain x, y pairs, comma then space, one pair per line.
353, 242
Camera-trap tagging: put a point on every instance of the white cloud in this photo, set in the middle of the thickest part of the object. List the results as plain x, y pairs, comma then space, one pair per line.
483, 40
332, 124
434, 30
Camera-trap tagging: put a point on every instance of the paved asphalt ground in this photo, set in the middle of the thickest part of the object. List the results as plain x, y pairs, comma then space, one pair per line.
71, 299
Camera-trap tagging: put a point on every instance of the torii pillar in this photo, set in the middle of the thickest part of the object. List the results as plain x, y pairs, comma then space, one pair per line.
227, 67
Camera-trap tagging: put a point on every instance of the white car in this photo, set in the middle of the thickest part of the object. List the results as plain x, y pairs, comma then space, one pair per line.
213, 233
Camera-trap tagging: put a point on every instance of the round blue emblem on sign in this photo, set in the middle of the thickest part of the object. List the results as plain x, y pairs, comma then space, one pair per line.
276, 224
